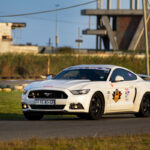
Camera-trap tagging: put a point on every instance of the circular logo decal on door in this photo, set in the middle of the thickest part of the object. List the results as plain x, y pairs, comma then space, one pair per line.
116, 95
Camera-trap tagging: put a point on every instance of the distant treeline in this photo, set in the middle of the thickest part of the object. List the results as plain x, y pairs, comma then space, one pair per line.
30, 65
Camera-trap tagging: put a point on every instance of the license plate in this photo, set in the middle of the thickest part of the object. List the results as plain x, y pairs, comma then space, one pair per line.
45, 102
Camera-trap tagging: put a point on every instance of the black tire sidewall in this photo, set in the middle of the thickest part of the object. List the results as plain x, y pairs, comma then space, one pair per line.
141, 112
91, 115
144, 114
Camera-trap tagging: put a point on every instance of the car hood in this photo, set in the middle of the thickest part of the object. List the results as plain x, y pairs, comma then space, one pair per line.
62, 84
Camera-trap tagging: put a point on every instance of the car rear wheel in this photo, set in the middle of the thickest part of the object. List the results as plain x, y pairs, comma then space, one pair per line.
33, 116
96, 109
144, 107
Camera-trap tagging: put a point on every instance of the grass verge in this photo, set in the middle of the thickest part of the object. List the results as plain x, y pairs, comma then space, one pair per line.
137, 142
10, 105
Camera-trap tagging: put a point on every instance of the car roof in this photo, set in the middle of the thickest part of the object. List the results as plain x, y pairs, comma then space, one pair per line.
95, 66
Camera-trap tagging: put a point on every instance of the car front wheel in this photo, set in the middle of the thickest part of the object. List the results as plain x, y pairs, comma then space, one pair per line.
96, 109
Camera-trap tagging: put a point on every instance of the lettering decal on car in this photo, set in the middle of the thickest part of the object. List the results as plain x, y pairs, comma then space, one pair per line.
48, 86
97, 68
116, 95
127, 94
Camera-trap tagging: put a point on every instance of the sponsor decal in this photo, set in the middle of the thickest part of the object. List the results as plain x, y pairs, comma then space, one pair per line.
116, 95
127, 94
48, 86
111, 85
38, 94
33, 94
97, 68
130, 75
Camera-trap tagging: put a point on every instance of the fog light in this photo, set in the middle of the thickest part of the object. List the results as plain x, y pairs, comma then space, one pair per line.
24, 106
76, 106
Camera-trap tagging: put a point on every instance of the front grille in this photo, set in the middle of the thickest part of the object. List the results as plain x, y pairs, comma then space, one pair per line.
47, 106
47, 94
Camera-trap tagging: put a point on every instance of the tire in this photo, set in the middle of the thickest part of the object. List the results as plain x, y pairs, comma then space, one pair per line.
144, 107
96, 108
33, 116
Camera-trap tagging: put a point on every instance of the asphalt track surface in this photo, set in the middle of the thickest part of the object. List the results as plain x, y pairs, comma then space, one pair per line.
73, 127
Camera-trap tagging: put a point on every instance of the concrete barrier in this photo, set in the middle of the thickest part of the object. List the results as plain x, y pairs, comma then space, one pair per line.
7, 89
24, 85
18, 87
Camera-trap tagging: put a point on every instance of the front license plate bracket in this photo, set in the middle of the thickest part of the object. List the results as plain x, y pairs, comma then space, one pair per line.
45, 102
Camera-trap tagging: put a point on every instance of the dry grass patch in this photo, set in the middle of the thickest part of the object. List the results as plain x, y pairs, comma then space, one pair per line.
138, 142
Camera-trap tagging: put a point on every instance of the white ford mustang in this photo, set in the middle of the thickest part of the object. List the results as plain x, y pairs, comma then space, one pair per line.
88, 91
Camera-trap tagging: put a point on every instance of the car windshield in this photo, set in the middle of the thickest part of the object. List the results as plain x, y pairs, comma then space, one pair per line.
84, 74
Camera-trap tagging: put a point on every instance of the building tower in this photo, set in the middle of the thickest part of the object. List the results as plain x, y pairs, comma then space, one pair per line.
118, 29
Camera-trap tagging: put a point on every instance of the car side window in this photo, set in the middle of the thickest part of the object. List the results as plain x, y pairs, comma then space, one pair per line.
127, 75
114, 74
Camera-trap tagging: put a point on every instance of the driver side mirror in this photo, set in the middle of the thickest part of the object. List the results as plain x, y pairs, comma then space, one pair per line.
119, 78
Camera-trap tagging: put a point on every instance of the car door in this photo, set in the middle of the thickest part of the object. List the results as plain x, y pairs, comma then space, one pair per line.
122, 91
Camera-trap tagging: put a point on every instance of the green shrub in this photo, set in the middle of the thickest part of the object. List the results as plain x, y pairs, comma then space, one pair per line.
26, 65
65, 50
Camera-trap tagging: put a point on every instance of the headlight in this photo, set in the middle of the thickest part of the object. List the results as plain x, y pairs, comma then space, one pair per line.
80, 92
25, 91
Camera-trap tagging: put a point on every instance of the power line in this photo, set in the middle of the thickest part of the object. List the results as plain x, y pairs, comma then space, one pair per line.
60, 20
49, 11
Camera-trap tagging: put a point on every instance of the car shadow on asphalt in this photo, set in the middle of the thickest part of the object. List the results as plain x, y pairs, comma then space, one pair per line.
20, 117
11, 117
119, 116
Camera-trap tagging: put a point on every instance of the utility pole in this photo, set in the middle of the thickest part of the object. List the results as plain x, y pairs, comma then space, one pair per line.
57, 37
146, 35
79, 40
49, 42
97, 37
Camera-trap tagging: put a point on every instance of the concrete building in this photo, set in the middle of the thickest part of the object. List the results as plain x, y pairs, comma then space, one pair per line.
6, 40
118, 29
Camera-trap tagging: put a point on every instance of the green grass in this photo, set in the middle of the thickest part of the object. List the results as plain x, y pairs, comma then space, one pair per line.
10, 105
138, 142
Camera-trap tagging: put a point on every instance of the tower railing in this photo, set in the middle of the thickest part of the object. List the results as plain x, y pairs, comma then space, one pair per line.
133, 4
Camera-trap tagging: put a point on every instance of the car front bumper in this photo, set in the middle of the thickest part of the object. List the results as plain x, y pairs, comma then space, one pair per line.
73, 104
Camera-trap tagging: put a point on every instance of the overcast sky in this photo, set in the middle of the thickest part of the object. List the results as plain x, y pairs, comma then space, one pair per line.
43, 26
